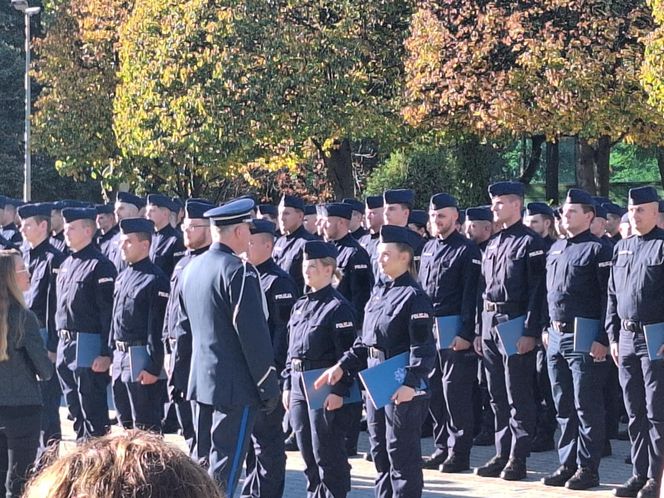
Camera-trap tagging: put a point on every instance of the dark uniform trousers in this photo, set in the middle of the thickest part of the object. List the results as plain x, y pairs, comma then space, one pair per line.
138, 406
266, 457
395, 432
185, 413
319, 435
437, 409
18, 446
546, 412
510, 382
642, 382
577, 382
51, 392
84, 391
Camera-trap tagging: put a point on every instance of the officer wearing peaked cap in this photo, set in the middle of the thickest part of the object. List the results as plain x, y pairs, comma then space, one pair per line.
635, 287
513, 271
84, 305
266, 458
177, 342
449, 272
141, 294
234, 373
288, 248
167, 247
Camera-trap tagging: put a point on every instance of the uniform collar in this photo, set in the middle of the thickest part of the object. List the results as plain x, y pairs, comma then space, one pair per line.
403, 280
142, 264
514, 227
655, 233
266, 265
40, 248
219, 247
451, 237
582, 237
321, 293
166, 230
87, 250
196, 252
114, 229
345, 240
297, 233
10, 226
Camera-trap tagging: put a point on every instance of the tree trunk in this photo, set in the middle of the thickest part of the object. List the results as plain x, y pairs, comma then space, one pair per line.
552, 172
340, 168
602, 156
585, 167
660, 164
534, 160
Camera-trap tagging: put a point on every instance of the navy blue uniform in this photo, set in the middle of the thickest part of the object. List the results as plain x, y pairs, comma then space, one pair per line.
105, 242
12, 233
288, 254
398, 318
636, 287
449, 272
359, 233
370, 243
167, 248
321, 329
141, 294
222, 308
44, 262
84, 304
58, 241
513, 276
177, 343
266, 458
577, 272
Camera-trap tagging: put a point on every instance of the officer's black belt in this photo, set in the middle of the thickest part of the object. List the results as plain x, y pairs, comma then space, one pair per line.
503, 308
376, 354
300, 365
123, 346
632, 326
67, 335
563, 327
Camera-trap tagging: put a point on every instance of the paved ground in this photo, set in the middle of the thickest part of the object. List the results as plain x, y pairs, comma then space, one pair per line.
612, 471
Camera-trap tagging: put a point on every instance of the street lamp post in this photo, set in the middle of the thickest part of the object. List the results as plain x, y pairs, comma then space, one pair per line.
22, 5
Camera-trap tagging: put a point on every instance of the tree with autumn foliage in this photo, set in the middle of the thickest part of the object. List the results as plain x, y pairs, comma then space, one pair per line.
544, 68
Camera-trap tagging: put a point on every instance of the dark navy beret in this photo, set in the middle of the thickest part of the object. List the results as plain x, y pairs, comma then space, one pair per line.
160, 200
613, 208
599, 200
268, 209
578, 196
195, 209
199, 199
136, 225
600, 211
104, 208
176, 204
440, 201
29, 210
374, 201
539, 208
355, 204
3, 201
418, 217
309, 209
400, 235
76, 204
479, 214
462, 217
292, 201
399, 196
130, 199
74, 214
506, 188
263, 226
642, 195
317, 249
339, 209
9, 201
231, 213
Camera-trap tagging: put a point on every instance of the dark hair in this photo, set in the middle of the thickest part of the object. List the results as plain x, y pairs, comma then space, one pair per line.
39, 219
143, 236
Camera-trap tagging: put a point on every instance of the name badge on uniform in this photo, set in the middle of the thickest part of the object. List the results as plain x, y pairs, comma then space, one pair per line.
624, 251
344, 325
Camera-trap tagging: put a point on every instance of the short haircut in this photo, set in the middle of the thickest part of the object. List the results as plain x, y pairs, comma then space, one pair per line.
39, 219
142, 236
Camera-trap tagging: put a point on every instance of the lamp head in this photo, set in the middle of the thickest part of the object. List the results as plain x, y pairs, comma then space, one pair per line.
21, 5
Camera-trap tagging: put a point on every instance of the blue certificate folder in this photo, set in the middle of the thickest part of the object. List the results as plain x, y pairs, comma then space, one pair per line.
383, 380
138, 360
654, 339
88, 347
446, 329
585, 332
316, 397
510, 332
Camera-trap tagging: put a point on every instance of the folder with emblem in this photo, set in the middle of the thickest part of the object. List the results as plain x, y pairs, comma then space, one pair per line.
139, 358
510, 332
383, 380
316, 397
88, 347
654, 339
446, 329
585, 332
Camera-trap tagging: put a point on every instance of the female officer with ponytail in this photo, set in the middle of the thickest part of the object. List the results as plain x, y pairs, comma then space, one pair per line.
397, 319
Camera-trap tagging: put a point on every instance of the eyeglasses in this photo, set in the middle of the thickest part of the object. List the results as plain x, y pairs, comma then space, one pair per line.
24, 270
184, 228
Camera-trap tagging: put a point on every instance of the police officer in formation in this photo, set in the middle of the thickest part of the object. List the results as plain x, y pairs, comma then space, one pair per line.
222, 307
8, 228
356, 225
449, 274
167, 246
43, 263
321, 328
127, 205
108, 229
84, 305
177, 341
139, 303
266, 457
57, 238
374, 220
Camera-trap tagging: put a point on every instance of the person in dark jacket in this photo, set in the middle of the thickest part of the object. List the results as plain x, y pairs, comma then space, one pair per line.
23, 357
